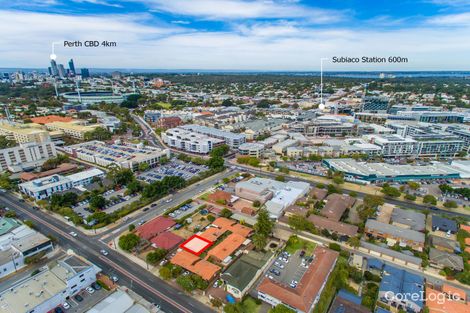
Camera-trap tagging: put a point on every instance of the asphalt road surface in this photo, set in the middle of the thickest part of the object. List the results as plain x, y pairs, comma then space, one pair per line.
130, 275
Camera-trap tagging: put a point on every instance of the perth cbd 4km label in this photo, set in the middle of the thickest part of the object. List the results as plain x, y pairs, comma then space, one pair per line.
365, 59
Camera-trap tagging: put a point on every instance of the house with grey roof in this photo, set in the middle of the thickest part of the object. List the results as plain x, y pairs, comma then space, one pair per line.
394, 234
445, 244
408, 219
440, 259
241, 275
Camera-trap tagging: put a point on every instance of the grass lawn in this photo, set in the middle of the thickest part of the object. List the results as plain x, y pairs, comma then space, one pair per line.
164, 105
295, 243
249, 305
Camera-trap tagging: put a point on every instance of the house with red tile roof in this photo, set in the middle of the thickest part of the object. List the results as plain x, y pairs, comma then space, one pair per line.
194, 264
155, 227
166, 240
50, 119
306, 294
226, 248
446, 301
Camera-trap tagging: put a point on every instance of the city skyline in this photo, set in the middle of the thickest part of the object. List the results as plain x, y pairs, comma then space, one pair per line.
238, 35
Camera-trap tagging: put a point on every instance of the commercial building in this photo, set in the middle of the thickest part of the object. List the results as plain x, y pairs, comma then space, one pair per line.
186, 140
152, 116
50, 287
73, 129
325, 128
396, 283
383, 172
276, 196
252, 149
394, 234
231, 139
122, 154
26, 156
43, 188
375, 104
281, 147
306, 294
120, 301
438, 145
19, 242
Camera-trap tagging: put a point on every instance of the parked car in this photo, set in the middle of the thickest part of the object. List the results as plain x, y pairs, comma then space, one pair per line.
90, 290
96, 286
115, 279
79, 298
146, 209
66, 305
275, 272
58, 310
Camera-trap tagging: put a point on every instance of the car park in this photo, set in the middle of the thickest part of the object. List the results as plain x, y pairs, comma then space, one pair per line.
58, 310
278, 264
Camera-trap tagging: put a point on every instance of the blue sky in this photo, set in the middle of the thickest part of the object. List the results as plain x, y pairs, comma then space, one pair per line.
238, 34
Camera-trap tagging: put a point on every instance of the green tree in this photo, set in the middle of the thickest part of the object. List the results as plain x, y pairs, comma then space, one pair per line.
165, 273
430, 199
280, 178
131, 227
414, 185
354, 242
97, 202
155, 256
6, 143
143, 167
99, 133
450, 204
226, 213
186, 283
260, 241
220, 151
216, 162
264, 224
128, 242
134, 187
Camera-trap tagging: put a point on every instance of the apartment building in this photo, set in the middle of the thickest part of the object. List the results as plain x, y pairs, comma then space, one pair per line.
122, 154
252, 149
73, 129
22, 133
43, 188
49, 288
325, 128
187, 140
26, 156
18, 242
231, 139
394, 146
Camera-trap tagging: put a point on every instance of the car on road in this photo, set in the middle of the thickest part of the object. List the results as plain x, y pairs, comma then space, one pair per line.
79, 298
73, 234
90, 290
169, 200
142, 222
66, 305
115, 279
104, 252
146, 209
153, 205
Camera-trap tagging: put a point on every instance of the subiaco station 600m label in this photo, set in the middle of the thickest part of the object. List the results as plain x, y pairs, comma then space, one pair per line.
366, 59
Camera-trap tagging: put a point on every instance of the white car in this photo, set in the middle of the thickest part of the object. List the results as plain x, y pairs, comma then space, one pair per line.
104, 252
90, 290
169, 200
66, 305
73, 234
114, 279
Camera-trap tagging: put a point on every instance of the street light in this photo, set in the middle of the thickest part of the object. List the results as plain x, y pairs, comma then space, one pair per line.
321, 106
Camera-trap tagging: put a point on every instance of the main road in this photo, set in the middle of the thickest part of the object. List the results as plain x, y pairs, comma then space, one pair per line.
131, 275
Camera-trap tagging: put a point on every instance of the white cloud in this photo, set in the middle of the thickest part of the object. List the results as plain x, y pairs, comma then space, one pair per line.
25, 41
243, 9
99, 2
459, 19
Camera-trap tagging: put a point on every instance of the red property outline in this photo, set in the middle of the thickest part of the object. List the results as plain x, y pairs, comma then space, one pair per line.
209, 243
